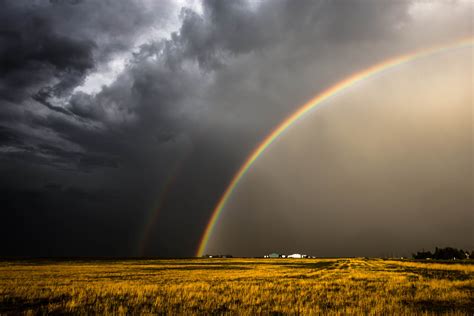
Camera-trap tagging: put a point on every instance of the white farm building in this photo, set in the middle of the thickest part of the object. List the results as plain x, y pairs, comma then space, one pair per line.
297, 256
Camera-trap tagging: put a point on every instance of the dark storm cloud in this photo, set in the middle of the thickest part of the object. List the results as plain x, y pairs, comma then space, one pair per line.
43, 96
32, 54
48, 47
204, 95
8, 136
83, 105
54, 44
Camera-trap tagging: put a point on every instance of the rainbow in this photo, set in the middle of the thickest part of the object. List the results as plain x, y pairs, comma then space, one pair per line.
307, 107
154, 214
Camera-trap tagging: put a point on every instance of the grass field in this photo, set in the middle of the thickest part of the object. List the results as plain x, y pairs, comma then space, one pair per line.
243, 286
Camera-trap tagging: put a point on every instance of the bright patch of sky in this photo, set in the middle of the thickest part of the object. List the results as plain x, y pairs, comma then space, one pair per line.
423, 9
108, 73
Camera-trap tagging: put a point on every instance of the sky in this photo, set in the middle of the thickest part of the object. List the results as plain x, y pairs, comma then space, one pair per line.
123, 122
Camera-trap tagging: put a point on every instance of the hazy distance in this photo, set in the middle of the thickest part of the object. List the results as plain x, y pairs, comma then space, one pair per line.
383, 169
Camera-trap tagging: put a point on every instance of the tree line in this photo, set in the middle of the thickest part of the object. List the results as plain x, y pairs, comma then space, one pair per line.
447, 253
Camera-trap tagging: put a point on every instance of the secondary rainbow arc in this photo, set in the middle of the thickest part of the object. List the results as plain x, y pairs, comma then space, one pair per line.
307, 107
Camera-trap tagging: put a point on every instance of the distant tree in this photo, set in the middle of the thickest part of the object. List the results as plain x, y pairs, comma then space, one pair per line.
447, 253
422, 255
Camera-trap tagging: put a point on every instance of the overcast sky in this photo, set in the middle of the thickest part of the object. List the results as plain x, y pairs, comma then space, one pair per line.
122, 122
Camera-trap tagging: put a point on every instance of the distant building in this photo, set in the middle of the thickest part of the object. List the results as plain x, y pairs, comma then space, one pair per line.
296, 255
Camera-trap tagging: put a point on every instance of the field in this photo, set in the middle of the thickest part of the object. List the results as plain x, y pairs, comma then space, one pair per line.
236, 286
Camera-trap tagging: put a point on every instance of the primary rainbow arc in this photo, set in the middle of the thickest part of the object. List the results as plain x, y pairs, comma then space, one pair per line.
307, 107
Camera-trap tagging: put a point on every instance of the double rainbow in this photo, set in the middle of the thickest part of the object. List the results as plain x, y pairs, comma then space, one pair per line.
307, 107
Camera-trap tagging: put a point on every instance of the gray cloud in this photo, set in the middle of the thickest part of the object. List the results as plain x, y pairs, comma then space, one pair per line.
54, 44
204, 95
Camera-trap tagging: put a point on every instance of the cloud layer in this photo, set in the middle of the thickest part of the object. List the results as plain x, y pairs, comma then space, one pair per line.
199, 87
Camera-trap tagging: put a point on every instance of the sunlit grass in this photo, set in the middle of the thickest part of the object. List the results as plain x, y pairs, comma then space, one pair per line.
243, 286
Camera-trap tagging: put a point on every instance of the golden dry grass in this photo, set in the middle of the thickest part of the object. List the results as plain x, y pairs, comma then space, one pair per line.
237, 286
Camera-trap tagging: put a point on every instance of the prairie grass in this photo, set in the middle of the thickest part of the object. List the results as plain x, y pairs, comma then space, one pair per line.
236, 286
